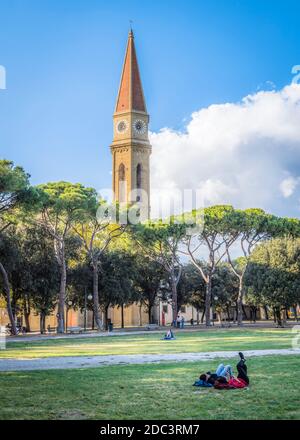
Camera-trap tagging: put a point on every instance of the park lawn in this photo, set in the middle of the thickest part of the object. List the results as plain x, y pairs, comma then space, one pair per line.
186, 342
151, 391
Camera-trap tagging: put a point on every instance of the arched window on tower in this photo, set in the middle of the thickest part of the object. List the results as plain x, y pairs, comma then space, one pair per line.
139, 176
138, 181
122, 183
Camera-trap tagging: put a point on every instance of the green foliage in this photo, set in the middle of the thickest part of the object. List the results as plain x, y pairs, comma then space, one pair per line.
158, 233
8, 252
224, 288
131, 265
191, 288
13, 184
273, 273
37, 273
160, 242
116, 284
216, 218
8, 246
149, 279
66, 201
80, 284
33, 270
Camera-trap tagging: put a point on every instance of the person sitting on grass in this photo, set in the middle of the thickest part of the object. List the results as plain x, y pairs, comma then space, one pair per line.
223, 378
169, 335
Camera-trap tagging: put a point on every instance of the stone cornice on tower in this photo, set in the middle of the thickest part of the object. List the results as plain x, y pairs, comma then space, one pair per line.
141, 146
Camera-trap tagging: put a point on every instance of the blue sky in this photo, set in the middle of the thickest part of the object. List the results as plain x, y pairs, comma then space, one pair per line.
63, 61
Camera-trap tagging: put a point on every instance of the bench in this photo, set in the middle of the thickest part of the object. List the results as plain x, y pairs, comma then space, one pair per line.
51, 329
151, 326
226, 325
75, 330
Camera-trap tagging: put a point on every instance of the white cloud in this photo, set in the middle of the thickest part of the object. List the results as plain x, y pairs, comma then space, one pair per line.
238, 153
288, 186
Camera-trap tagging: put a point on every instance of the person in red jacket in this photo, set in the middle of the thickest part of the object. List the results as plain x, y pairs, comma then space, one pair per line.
242, 379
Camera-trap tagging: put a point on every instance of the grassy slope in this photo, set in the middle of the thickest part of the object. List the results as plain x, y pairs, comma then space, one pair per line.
211, 340
151, 392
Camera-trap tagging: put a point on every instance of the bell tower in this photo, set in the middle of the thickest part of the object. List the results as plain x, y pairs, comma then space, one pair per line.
130, 147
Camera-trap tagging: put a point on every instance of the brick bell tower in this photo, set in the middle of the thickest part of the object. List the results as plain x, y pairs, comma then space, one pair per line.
130, 147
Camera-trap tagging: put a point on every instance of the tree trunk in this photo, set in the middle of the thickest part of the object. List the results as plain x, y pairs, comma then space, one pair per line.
42, 322
96, 296
254, 313
203, 314
27, 322
240, 303
198, 317
106, 317
208, 302
174, 301
26, 311
14, 297
278, 317
62, 296
235, 312
244, 311
8, 300
150, 313
228, 313
122, 316
266, 312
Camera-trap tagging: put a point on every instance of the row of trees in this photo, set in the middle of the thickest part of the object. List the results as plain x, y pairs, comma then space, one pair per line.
55, 245
218, 235
271, 281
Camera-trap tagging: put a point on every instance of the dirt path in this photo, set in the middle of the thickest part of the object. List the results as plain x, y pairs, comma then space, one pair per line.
55, 363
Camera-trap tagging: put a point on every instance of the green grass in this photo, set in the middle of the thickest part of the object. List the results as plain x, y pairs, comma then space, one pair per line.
210, 340
159, 391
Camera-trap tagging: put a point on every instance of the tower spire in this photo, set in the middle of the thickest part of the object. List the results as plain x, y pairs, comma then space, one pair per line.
130, 96
130, 146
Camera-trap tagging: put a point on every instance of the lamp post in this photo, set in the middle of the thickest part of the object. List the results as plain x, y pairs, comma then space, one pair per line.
69, 305
215, 300
162, 285
85, 301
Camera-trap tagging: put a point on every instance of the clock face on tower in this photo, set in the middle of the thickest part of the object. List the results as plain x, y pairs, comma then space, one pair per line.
122, 126
139, 126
